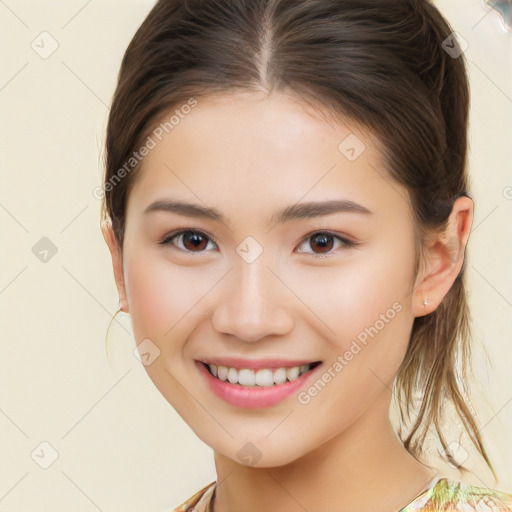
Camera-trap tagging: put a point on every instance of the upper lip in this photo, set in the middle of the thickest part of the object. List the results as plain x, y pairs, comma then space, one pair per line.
238, 362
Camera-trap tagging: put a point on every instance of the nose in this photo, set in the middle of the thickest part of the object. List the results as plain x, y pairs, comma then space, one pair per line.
253, 303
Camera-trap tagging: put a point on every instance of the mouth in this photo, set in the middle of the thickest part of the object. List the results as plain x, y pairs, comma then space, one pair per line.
261, 377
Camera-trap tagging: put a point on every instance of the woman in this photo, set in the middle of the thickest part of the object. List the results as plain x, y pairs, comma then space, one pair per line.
287, 209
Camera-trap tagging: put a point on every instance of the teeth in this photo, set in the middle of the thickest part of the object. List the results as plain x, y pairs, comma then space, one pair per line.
232, 375
264, 377
246, 377
222, 372
280, 375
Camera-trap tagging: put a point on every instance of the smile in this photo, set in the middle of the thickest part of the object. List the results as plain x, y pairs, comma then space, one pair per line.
264, 377
248, 388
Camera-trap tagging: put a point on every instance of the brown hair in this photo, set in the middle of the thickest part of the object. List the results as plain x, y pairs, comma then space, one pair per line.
379, 64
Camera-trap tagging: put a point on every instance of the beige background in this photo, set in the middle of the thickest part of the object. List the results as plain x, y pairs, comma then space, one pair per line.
119, 445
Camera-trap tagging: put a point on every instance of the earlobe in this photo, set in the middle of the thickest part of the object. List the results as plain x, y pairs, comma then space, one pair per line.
444, 259
117, 264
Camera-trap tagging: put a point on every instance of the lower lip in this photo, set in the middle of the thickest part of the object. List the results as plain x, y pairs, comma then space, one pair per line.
253, 397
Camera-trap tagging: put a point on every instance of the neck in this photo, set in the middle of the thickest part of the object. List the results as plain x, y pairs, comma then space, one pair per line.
365, 467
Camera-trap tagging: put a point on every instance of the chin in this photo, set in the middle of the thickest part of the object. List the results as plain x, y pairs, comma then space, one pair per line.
264, 454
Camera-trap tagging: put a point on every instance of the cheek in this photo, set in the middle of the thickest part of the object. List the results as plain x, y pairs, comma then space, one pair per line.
161, 308
155, 296
362, 307
147, 305
164, 299
378, 313
350, 297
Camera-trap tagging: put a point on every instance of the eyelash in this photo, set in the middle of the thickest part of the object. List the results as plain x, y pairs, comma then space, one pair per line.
347, 244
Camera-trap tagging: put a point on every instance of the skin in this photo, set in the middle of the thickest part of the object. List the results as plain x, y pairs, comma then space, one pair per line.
249, 155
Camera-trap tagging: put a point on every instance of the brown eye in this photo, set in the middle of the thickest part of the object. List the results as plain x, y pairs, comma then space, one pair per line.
191, 241
323, 242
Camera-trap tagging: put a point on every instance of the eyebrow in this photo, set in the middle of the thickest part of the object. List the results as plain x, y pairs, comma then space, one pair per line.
293, 212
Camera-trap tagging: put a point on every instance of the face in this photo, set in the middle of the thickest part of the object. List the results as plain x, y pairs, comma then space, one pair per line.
244, 283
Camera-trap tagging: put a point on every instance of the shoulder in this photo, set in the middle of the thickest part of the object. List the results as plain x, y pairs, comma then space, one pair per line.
456, 496
199, 502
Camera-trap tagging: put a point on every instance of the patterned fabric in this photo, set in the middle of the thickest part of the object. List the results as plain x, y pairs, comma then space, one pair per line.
452, 496
443, 495
200, 502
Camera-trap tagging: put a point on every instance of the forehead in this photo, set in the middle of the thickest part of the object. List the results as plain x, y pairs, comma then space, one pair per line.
252, 150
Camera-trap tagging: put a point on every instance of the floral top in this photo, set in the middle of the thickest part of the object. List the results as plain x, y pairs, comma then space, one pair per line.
442, 494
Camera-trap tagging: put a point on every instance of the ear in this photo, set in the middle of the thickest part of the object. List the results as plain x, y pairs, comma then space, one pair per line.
117, 263
444, 257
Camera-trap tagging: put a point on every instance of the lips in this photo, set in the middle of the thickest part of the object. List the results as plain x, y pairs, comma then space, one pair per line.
255, 396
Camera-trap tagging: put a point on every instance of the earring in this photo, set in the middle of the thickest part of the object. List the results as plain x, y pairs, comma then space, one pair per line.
425, 302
